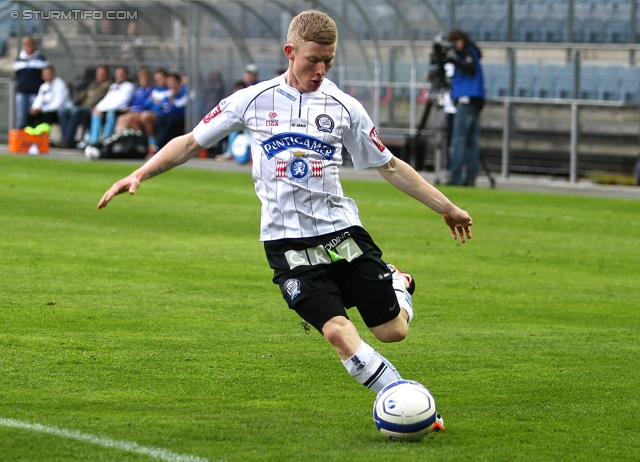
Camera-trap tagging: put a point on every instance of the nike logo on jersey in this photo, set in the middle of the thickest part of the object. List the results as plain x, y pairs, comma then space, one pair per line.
284, 141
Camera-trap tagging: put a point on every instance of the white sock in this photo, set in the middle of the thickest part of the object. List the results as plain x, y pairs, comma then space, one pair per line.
370, 368
402, 294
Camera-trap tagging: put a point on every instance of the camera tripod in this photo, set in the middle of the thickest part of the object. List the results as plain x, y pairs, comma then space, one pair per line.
442, 138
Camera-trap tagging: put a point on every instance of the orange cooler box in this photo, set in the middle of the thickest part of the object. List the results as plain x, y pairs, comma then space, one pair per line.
20, 142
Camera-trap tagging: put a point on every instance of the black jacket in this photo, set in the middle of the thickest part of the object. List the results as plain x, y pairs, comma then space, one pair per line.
29, 71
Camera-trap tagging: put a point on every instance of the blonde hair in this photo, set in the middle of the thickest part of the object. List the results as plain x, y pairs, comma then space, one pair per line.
312, 26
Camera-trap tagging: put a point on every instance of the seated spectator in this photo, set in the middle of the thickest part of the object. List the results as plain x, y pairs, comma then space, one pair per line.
80, 114
115, 101
53, 95
138, 100
171, 111
144, 119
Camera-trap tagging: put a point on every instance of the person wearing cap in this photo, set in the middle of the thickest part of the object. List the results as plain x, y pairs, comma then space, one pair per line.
250, 75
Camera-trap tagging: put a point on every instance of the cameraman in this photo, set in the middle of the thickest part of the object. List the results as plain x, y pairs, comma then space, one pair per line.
467, 91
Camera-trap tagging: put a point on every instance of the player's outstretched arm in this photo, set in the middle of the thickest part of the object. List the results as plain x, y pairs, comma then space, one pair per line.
407, 180
176, 152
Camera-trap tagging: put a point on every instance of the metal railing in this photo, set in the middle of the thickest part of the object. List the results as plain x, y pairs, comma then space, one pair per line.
7, 107
575, 104
402, 111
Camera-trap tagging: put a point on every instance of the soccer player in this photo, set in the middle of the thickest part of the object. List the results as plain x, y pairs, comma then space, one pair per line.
322, 258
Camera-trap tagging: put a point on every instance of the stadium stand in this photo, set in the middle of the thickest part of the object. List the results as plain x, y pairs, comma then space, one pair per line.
630, 85
545, 82
596, 82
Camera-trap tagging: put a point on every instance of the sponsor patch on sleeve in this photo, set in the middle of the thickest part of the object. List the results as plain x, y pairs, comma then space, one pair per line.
214, 112
373, 134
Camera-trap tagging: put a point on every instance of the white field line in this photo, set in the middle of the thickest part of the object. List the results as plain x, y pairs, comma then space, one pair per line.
158, 453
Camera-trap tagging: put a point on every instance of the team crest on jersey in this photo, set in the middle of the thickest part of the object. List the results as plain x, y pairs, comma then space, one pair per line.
324, 123
299, 169
289, 140
271, 118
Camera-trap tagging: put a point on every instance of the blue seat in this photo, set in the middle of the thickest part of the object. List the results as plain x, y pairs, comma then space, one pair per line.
616, 30
592, 30
630, 85
526, 30
545, 83
589, 85
496, 79
525, 80
492, 29
553, 29
564, 82
610, 82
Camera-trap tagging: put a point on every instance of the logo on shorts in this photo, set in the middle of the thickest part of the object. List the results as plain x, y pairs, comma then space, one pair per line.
346, 250
292, 288
324, 123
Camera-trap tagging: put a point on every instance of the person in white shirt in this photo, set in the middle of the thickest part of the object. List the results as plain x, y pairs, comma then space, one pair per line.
323, 260
53, 95
115, 101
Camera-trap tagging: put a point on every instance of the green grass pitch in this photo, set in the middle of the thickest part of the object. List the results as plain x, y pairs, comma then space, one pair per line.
155, 321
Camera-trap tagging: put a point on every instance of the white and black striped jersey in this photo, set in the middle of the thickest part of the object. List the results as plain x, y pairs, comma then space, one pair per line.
297, 141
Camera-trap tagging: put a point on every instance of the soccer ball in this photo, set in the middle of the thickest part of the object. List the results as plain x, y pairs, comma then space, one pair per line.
404, 411
92, 152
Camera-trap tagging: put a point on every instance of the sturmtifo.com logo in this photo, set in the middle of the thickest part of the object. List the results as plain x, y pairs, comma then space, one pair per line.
75, 15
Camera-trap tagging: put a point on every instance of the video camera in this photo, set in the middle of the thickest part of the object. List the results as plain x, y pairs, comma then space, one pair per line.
439, 56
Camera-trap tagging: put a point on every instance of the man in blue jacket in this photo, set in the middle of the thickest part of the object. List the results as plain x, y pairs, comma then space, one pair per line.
28, 68
171, 111
467, 92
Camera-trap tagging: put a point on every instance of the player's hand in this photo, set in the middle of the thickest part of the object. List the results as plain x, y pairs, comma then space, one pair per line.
130, 184
459, 222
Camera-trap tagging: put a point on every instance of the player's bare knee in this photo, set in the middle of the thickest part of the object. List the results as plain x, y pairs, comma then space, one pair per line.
334, 331
398, 334
392, 332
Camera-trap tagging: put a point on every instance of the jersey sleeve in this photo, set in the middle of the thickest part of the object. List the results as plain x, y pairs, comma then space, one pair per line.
222, 120
362, 141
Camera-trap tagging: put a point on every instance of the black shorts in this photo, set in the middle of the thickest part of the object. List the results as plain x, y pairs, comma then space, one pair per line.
321, 276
